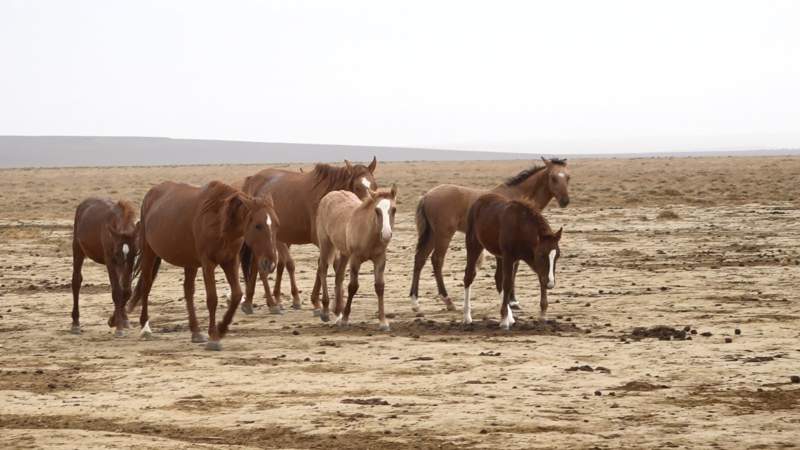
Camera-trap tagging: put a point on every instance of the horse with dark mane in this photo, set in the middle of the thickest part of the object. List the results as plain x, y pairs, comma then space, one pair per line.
297, 196
511, 230
105, 231
443, 210
202, 227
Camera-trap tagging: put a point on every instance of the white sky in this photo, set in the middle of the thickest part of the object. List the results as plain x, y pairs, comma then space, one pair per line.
554, 76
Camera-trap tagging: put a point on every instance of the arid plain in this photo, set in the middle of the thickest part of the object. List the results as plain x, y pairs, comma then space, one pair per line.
708, 245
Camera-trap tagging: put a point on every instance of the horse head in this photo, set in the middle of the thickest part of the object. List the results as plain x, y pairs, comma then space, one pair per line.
547, 253
362, 178
558, 179
257, 219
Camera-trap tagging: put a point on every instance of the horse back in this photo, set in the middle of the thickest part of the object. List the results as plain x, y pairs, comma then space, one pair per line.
293, 201
168, 214
447, 205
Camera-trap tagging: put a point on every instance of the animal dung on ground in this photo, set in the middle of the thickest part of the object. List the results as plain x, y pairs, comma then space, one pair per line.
667, 214
795, 378
661, 332
366, 401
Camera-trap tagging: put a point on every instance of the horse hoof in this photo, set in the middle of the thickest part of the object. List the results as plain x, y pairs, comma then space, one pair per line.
296, 306
146, 335
384, 327
119, 333
325, 317
316, 312
199, 338
275, 310
514, 304
126, 324
247, 309
214, 346
449, 304
76, 329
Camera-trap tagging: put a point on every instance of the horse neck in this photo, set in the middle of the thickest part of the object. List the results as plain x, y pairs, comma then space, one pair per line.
366, 225
318, 190
534, 188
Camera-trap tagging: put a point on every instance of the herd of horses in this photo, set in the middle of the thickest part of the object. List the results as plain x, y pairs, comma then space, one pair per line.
250, 226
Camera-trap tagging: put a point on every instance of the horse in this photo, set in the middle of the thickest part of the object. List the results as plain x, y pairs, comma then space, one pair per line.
443, 210
105, 231
193, 227
297, 197
353, 231
511, 230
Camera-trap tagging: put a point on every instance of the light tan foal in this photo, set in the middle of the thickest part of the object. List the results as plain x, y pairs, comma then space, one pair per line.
354, 231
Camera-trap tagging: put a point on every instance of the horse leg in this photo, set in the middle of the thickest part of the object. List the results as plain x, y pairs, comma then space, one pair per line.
508, 287
339, 267
274, 305
441, 243
424, 250
250, 279
77, 279
232, 276
498, 276
326, 254
189, 275
513, 302
282, 252
379, 267
543, 301
148, 268
211, 303
474, 250
117, 318
290, 267
352, 288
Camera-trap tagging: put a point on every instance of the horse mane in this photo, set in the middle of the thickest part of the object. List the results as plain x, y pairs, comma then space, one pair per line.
126, 214
333, 178
527, 173
213, 205
535, 215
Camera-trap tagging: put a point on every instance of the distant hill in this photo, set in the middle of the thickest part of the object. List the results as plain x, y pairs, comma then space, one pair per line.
64, 151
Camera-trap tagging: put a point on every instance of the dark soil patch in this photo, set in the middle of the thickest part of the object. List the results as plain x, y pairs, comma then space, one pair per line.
366, 401
640, 386
267, 436
742, 399
41, 381
660, 332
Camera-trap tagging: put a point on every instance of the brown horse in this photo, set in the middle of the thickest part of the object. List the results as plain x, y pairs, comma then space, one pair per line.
105, 231
511, 230
354, 231
193, 227
443, 210
297, 197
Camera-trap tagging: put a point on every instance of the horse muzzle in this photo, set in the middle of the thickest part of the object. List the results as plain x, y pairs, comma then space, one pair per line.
563, 202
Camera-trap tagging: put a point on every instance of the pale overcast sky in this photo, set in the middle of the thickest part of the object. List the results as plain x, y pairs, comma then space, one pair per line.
554, 76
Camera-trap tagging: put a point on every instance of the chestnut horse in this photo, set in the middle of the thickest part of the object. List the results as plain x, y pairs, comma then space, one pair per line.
354, 231
193, 227
443, 210
105, 231
297, 197
511, 230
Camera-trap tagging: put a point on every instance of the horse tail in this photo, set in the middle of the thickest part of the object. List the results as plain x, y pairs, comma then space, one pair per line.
246, 260
136, 297
423, 225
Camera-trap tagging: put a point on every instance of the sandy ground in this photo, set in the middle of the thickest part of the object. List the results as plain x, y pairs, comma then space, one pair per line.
728, 260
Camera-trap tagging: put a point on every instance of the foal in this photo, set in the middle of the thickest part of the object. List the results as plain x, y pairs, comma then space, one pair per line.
511, 230
105, 231
354, 231
193, 227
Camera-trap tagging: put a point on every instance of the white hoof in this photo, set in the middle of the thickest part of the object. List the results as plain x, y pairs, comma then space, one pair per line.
76, 329
146, 332
467, 319
214, 346
340, 321
316, 312
199, 338
414, 304
119, 333
384, 326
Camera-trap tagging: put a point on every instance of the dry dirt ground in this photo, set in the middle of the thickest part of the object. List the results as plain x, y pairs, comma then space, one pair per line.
727, 259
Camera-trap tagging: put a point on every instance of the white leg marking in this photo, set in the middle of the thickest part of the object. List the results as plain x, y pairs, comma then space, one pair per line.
146, 328
339, 319
511, 316
383, 206
551, 277
414, 303
467, 312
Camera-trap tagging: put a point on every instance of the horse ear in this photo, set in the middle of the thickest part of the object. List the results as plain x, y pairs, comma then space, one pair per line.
547, 162
268, 199
394, 190
235, 207
373, 164
558, 234
348, 165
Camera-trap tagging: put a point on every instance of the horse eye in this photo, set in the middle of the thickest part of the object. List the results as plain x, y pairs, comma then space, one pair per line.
260, 226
